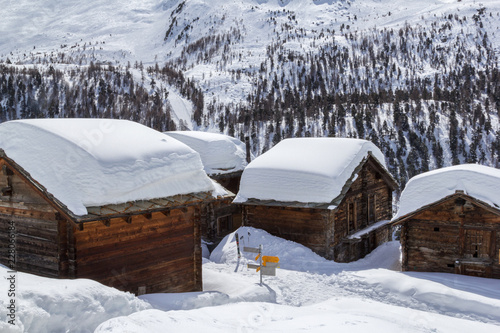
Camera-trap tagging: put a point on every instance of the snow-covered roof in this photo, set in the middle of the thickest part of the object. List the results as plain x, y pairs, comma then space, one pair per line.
305, 170
94, 162
478, 181
219, 153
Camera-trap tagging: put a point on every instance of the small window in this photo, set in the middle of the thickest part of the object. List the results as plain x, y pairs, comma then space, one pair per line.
436, 229
451, 265
224, 225
372, 213
351, 217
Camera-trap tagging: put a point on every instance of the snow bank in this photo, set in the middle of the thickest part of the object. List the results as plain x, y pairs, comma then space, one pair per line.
51, 305
305, 169
436, 295
94, 162
351, 315
185, 301
478, 181
219, 153
297, 257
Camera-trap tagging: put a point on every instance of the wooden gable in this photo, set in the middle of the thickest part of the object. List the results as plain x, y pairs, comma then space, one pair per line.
457, 234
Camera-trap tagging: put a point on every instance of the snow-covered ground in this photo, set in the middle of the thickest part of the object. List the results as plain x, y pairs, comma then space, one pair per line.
308, 293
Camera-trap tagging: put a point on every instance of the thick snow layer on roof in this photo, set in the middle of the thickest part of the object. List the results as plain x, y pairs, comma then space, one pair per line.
478, 181
308, 170
94, 162
219, 153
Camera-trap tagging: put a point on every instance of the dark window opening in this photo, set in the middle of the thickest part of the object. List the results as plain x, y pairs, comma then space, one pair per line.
351, 217
224, 225
451, 265
436, 229
372, 214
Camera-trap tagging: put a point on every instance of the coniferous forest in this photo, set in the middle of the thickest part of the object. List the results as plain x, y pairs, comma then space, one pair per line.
426, 92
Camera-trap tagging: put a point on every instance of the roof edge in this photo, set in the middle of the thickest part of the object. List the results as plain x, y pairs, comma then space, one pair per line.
370, 158
457, 194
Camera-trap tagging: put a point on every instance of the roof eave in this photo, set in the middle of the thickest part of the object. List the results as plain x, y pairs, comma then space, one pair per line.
457, 194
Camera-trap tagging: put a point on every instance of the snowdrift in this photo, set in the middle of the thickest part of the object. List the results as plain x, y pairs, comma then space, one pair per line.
52, 305
219, 153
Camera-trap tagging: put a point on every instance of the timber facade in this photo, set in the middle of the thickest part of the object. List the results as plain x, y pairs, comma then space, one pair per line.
220, 218
142, 247
345, 230
458, 234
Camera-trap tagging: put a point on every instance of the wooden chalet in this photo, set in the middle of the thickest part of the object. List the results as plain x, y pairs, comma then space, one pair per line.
450, 221
224, 158
150, 243
332, 195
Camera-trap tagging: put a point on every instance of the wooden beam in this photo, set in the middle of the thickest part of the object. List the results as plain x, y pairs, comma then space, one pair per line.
80, 226
148, 216
127, 219
166, 213
106, 222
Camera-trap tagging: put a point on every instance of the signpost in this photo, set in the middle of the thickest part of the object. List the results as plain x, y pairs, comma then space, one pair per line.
267, 264
238, 245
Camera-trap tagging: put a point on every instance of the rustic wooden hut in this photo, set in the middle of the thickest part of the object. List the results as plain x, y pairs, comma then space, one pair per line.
450, 221
332, 195
108, 200
224, 158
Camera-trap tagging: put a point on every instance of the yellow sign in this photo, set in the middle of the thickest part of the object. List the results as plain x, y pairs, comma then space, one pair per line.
257, 258
270, 259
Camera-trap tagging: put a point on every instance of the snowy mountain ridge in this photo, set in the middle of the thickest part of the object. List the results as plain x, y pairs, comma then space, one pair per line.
418, 79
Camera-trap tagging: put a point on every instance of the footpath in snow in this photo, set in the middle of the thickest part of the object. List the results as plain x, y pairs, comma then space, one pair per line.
308, 293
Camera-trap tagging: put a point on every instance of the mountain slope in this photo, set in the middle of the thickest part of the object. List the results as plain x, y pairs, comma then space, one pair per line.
420, 80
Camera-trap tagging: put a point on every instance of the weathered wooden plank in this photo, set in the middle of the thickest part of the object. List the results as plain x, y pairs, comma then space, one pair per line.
174, 276
38, 270
137, 245
106, 238
35, 212
137, 261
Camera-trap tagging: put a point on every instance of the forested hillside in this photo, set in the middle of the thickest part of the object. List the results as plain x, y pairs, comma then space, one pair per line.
421, 81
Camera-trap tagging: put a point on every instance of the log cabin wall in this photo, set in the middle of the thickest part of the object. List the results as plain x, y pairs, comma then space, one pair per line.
153, 253
456, 236
368, 200
35, 226
309, 227
219, 218
230, 181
